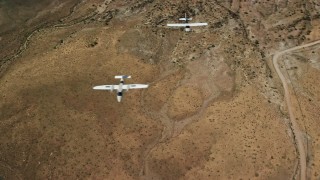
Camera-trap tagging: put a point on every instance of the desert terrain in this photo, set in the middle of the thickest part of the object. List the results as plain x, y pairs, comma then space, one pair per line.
237, 99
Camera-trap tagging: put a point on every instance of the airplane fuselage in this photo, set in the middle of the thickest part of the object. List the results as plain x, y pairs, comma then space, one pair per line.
187, 28
119, 91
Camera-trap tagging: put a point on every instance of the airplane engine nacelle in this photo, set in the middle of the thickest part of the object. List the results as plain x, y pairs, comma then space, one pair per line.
187, 29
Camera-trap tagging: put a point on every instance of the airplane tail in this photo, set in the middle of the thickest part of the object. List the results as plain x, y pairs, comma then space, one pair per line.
185, 18
122, 77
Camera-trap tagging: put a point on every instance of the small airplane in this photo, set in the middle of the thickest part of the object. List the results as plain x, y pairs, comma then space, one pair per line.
186, 25
121, 86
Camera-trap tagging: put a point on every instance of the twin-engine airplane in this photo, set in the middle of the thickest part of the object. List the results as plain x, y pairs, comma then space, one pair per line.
121, 86
186, 25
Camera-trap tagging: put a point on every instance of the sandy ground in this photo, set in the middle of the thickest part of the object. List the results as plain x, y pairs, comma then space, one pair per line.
215, 108
19, 19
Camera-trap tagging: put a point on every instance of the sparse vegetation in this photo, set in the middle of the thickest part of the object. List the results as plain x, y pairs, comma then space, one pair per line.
214, 109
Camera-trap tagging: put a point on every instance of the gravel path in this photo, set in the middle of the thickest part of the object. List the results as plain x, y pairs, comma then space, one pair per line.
295, 128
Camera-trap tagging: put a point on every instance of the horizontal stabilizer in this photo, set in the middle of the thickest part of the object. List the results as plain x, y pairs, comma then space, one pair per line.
122, 76
184, 19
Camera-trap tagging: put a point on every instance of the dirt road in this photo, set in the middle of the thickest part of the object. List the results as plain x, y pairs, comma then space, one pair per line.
297, 133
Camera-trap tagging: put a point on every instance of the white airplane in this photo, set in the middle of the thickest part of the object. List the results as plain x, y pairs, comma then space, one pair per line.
186, 25
121, 86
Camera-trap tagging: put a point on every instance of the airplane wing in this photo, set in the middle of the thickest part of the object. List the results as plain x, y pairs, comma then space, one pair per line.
187, 24
135, 86
197, 24
106, 87
177, 25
